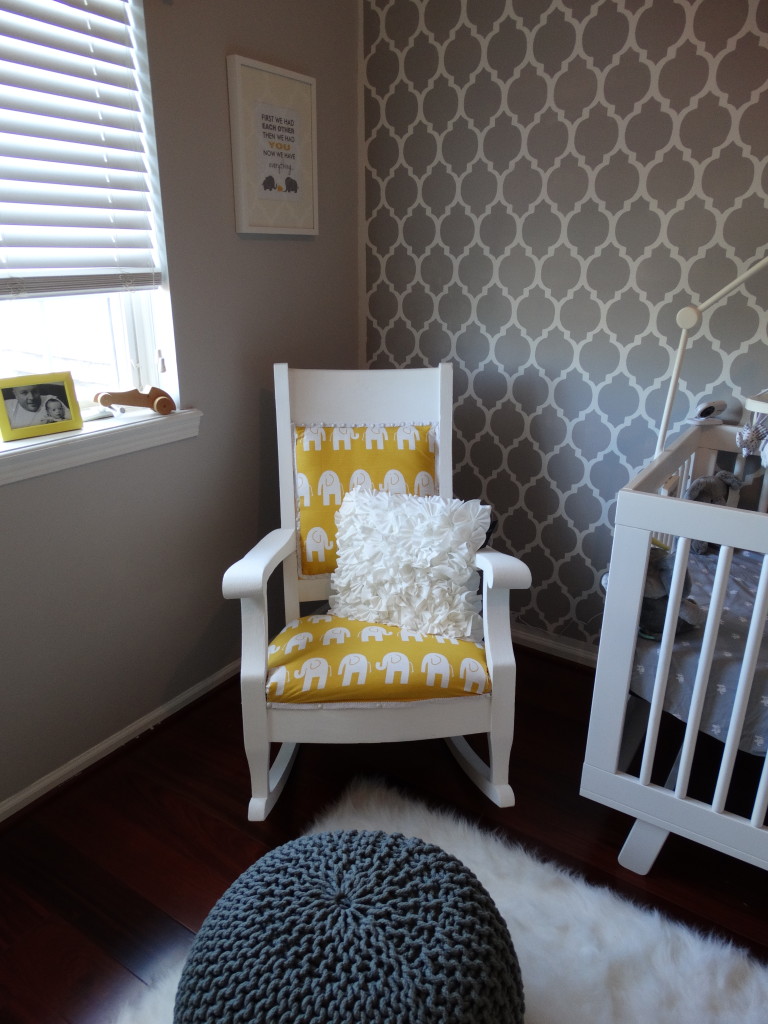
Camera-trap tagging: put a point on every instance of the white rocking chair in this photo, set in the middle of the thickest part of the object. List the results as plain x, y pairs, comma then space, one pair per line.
318, 413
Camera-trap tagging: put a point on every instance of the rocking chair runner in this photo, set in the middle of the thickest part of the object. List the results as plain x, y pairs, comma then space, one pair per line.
329, 679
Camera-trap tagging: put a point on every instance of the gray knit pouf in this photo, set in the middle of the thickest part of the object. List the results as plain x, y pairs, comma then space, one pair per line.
361, 927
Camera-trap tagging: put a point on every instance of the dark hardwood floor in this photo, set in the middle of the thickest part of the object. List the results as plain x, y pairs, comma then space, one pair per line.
104, 883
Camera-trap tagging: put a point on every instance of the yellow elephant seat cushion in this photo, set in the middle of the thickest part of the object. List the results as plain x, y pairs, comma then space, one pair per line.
324, 658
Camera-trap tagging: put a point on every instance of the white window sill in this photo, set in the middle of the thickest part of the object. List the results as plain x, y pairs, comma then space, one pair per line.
100, 439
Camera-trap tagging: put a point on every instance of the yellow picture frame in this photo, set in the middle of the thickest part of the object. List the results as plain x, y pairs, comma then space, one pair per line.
38, 404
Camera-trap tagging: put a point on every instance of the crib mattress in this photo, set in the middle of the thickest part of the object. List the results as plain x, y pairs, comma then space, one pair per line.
726, 665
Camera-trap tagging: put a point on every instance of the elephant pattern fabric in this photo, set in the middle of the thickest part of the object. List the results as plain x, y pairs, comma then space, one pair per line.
323, 658
330, 460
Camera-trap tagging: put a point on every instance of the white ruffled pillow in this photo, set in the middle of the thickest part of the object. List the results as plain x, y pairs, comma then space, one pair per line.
409, 561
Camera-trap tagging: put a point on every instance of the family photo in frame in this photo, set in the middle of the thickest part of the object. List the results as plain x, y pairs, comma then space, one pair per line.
39, 404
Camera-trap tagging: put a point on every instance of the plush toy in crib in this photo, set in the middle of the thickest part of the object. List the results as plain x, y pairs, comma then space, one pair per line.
752, 437
653, 610
715, 490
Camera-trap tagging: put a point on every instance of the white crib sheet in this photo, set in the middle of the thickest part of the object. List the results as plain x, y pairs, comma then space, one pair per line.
726, 664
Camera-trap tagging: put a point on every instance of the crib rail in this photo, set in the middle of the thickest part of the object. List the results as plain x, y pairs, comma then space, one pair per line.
675, 778
703, 671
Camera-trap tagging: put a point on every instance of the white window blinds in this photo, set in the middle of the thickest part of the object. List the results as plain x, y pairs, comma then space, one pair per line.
76, 204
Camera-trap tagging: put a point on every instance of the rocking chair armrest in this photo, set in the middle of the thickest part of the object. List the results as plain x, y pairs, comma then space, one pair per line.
502, 570
248, 576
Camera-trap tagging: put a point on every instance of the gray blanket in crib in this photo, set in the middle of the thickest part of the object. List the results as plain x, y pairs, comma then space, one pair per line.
727, 661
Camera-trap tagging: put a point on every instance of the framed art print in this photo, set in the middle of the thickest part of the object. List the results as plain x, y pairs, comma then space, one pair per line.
39, 404
274, 148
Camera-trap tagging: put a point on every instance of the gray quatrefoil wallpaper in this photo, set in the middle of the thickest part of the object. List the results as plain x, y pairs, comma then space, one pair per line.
547, 183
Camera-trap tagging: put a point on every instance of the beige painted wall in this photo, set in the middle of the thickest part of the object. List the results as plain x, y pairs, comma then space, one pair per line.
111, 573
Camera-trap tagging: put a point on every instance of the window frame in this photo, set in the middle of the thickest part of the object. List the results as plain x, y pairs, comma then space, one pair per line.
134, 429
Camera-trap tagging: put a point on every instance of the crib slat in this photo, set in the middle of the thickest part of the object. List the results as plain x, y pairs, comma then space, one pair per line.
704, 667
762, 503
760, 807
743, 689
686, 471
739, 470
665, 657
675, 486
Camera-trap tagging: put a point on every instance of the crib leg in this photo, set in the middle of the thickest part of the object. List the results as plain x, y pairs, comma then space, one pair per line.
642, 847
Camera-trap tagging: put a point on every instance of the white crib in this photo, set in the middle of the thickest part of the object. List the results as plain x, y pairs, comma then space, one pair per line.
713, 680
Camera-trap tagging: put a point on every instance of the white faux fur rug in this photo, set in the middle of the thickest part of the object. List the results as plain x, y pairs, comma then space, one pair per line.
587, 956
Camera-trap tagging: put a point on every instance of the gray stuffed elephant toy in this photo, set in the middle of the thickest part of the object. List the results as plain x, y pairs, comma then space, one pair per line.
714, 490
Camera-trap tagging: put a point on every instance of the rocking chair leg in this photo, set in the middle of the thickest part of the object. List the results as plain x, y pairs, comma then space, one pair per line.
499, 752
261, 803
493, 780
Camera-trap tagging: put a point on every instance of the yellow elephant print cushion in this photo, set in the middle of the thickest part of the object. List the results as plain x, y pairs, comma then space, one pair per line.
323, 658
330, 460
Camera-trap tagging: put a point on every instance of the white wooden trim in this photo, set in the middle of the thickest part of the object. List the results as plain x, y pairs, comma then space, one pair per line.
380, 722
578, 651
99, 439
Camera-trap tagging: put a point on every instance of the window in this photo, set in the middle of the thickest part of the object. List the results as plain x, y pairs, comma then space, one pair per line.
81, 254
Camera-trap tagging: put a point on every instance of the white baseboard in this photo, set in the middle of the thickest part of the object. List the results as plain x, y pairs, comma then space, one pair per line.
558, 646
87, 758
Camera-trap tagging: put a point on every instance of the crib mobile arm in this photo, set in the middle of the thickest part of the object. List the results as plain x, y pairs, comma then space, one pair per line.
688, 319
